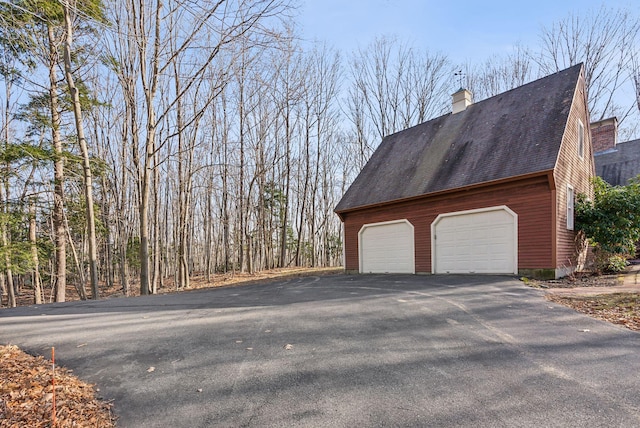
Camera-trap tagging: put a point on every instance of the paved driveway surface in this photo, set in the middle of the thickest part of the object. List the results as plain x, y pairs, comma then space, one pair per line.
344, 351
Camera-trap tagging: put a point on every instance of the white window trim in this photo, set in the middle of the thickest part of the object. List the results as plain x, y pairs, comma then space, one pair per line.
570, 207
580, 139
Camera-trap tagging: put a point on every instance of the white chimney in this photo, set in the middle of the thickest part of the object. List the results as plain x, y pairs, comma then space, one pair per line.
461, 100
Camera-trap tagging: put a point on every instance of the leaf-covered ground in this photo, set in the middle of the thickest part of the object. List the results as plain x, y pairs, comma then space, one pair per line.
616, 308
619, 308
26, 395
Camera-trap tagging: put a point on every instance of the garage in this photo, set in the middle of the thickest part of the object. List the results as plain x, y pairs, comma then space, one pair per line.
387, 247
475, 241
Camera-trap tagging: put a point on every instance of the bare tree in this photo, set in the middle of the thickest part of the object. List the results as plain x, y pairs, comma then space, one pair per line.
82, 142
603, 39
59, 224
228, 21
393, 87
500, 73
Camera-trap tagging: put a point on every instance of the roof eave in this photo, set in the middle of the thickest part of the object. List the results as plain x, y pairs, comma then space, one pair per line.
548, 173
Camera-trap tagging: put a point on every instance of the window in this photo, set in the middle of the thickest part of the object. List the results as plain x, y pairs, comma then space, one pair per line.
570, 202
580, 139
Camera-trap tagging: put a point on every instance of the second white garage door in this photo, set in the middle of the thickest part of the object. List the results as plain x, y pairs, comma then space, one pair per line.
476, 241
387, 247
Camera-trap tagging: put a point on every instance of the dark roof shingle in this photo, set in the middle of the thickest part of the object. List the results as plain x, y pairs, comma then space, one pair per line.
618, 165
514, 133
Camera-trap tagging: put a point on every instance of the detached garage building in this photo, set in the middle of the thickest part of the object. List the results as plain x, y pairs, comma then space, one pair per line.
488, 188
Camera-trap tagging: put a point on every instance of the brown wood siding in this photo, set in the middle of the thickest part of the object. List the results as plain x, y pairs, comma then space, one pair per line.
531, 199
575, 171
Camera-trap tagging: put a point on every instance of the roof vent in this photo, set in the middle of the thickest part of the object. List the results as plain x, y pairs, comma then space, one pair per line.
461, 100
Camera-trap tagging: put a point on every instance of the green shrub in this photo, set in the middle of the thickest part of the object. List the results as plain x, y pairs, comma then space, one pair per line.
616, 263
611, 222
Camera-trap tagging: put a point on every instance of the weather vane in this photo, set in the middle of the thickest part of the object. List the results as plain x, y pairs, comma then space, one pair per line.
460, 76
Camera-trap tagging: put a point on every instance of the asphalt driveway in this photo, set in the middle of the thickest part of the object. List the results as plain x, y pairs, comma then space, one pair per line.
344, 351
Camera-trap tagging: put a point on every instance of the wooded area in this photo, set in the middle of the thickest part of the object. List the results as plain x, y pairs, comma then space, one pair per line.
144, 142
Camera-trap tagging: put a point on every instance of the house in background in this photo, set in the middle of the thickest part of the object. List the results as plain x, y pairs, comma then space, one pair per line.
616, 163
488, 188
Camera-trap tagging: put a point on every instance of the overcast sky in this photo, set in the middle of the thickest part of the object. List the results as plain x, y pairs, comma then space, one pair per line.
463, 29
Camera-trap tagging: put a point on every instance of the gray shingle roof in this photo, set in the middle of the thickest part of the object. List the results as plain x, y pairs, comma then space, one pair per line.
511, 134
616, 166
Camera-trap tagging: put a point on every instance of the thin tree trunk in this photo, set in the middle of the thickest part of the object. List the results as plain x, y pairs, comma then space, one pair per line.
86, 164
155, 277
9, 272
3, 288
59, 227
241, 213
285, 208
37, 283
124, 270
4, 201
79, 287
150, 89
183, 193
225, 191
109, 275
7, 254
305, 188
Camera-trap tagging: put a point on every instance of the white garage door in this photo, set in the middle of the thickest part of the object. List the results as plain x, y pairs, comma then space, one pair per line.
387, 247
476, 241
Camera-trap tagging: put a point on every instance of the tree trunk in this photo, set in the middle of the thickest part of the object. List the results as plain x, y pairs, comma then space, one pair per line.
155, 277
183, 192
37, 282
86, 164
285, 207
150, 85
59, 227
7, 254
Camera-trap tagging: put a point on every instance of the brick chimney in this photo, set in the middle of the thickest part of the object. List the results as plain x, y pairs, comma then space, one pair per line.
604, 134
461, 100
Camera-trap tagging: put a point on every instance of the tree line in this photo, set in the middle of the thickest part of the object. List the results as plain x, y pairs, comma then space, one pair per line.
145, 142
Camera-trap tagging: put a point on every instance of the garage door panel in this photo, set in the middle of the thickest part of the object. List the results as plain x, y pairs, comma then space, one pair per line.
476, 242
387, 248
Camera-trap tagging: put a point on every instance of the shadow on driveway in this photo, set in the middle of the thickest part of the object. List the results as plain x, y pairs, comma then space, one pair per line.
342, 350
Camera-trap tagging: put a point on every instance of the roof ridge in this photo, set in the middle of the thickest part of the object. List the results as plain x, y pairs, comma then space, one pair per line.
566, 70
514, 133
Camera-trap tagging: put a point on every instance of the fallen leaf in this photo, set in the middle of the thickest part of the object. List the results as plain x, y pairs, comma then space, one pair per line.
26, 394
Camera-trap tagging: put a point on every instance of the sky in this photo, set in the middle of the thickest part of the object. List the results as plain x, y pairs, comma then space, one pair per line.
464, 30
